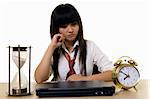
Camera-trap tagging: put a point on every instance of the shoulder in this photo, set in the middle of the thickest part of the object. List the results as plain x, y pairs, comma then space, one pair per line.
90, 44
93, 47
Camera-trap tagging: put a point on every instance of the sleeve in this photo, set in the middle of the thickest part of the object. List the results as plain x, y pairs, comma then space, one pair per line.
100, 59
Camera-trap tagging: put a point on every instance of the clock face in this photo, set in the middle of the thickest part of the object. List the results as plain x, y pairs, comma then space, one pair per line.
128, 76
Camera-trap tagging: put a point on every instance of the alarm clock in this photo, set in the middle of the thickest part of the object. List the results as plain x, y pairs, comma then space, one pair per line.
125, 74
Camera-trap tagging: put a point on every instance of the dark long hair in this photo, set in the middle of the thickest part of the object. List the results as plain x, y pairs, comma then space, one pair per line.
61, 15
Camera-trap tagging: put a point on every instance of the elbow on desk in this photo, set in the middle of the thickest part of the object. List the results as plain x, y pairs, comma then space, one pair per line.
39, 79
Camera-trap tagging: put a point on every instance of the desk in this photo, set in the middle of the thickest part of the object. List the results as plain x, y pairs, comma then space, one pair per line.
142, 93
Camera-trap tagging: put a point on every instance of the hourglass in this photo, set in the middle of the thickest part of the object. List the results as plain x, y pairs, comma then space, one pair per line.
19, 86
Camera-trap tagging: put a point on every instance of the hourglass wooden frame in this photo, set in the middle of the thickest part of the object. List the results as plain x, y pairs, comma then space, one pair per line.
19, 71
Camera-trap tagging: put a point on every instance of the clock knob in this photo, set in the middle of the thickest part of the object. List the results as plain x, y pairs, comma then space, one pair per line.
132, 62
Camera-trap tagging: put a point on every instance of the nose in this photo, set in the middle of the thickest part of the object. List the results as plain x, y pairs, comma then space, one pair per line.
70, 29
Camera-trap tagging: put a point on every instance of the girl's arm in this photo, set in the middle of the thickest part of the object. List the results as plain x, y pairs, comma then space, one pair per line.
105, 76
44, 69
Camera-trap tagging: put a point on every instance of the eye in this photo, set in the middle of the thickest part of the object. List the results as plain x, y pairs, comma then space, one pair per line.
74, 23
63, 26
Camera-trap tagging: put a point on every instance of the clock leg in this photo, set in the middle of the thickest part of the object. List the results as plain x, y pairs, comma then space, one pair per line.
135, 88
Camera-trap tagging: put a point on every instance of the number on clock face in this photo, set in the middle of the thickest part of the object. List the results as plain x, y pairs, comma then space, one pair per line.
128, 76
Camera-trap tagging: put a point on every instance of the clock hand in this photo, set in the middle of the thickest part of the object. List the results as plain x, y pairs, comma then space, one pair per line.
124, 73
126, 77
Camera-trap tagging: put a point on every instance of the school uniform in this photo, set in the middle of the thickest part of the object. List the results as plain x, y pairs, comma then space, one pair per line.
94, 57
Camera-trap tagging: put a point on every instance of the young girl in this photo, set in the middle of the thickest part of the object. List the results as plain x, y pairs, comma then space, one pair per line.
69, 56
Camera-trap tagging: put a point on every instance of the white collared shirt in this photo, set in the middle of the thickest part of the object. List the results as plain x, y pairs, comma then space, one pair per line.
94, 56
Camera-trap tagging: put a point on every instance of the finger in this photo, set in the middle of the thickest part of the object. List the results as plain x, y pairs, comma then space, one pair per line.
57, 37
61, 38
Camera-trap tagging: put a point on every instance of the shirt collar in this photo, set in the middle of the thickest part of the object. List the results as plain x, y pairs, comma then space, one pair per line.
74, 46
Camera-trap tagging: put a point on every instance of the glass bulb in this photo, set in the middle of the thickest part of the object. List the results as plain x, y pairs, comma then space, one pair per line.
23, 57
15, 81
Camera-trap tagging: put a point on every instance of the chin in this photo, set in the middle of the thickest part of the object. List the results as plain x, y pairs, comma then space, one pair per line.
70, 39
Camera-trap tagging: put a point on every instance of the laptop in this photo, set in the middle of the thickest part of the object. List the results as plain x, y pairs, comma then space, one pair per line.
74, 88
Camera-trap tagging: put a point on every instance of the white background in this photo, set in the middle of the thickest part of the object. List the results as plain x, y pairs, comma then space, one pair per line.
118, 27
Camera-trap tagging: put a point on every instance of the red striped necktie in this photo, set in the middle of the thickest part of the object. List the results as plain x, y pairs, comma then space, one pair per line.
71, 62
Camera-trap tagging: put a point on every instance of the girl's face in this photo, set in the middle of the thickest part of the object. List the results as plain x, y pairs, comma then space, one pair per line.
69, 31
